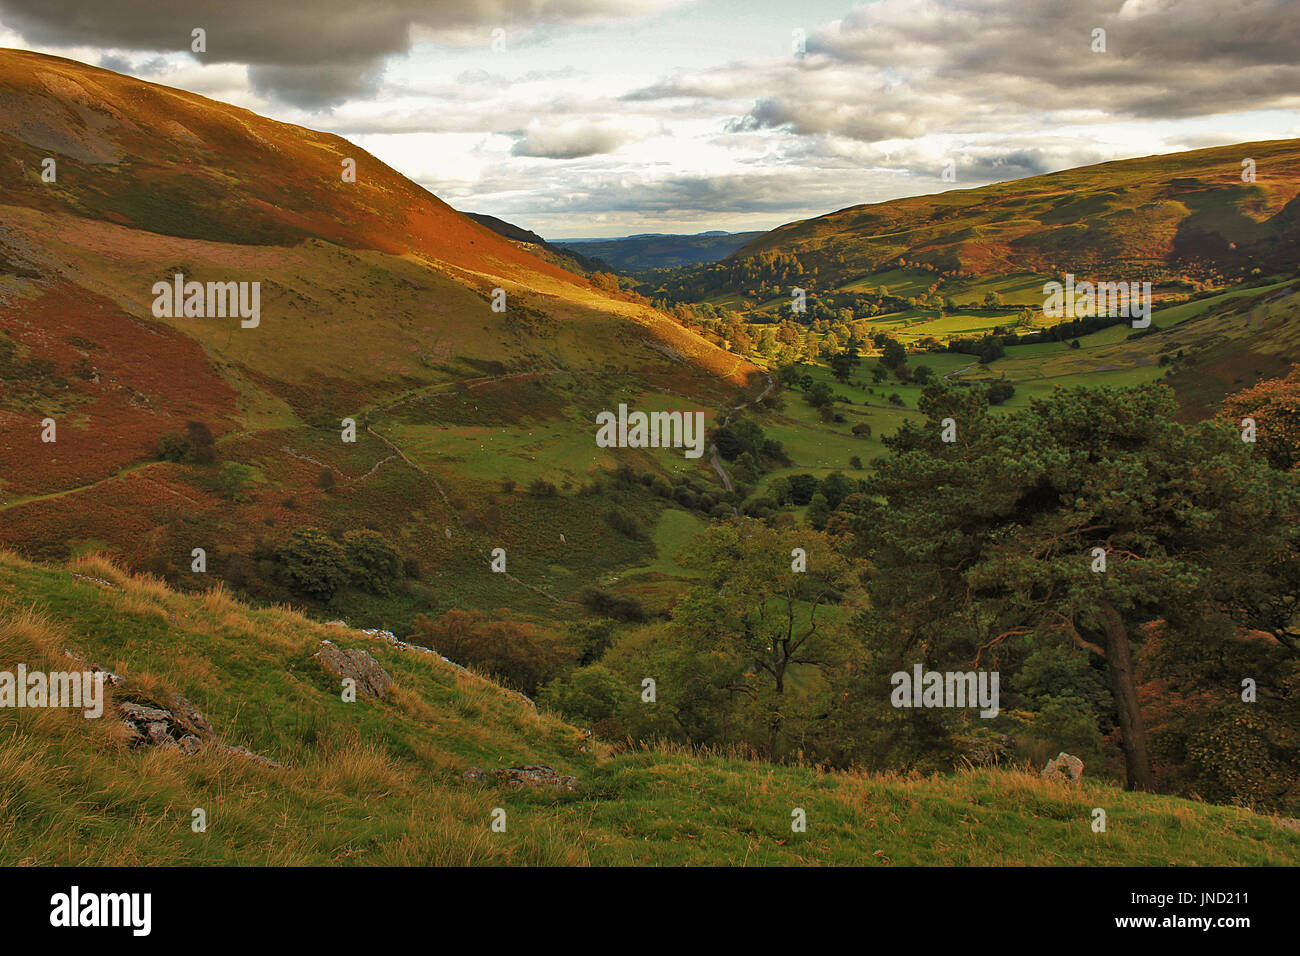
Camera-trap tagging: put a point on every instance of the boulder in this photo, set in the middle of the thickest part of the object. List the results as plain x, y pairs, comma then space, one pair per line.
355, 664
535, 776
1064, 768
986, 748
154, 727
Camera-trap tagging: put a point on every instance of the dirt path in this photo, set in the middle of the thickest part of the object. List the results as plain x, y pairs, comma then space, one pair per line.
960, 370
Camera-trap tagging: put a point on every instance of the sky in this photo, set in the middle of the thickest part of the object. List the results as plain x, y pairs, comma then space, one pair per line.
597, 118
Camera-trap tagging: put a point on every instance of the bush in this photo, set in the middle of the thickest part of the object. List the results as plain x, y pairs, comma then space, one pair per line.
542, 488
235, 480
617, 606
1000, 391
624, 523
521, 655
196, 445
313, 563
373, 563
173, 447
862, 430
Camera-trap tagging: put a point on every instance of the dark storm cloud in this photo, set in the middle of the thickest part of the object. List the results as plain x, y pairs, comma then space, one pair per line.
307, 52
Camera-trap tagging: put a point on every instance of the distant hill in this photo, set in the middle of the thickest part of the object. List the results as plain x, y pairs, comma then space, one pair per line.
656, 251
1157, 217
532, 242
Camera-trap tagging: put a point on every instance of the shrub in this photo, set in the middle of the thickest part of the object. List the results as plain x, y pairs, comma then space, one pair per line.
521, 655
373, 563
235, 479
542, 488
624, 523
313, 563
618, 606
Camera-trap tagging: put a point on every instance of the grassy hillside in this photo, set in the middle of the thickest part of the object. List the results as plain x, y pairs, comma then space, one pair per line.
381, 781
376, 305
1185, 213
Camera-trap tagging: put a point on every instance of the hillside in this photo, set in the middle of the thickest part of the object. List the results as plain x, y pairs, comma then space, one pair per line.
376, 304
1157, 217
382, 780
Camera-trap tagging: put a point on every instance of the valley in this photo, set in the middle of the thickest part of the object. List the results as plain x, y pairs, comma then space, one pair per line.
250, 405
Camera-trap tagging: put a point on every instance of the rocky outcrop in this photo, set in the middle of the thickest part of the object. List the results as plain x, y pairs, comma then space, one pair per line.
1064, 768
180, 724
532, 775
155, 727
357, 665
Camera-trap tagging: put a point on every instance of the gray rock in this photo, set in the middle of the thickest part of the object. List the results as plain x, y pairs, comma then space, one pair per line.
535, 775
355, 664
248, 754
1064, 768
190, 717
476, 774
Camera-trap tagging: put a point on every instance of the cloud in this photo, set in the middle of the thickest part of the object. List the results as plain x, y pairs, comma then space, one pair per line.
577, 138
309, 52
907, 68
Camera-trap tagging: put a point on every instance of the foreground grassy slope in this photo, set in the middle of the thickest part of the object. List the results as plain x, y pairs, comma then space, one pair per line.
381, 782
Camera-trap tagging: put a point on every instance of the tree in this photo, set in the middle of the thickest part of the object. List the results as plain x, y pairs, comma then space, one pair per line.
235, 479
755, 621
1274, 405
894, 355
992, 537
836, 487
802, 488
820, 395
202, 445
313, 563
843, 363
373, 563
819, 511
